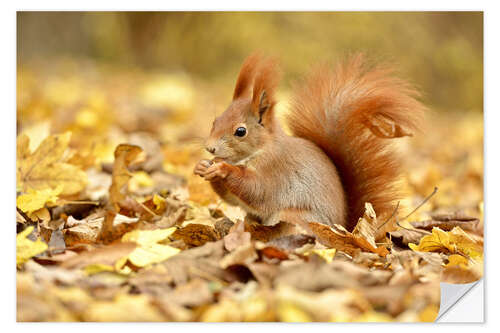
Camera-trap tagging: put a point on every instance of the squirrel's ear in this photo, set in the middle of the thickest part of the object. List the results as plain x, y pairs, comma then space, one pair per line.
246, 76
264, 105
264, 88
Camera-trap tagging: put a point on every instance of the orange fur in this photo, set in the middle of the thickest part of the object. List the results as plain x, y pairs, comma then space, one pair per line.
331, 109
266, 81
246, 76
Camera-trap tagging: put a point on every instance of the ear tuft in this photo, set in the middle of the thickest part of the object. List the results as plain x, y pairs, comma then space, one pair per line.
266, 81
247, 74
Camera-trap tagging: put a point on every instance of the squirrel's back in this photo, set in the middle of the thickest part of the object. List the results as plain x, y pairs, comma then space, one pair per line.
351, 112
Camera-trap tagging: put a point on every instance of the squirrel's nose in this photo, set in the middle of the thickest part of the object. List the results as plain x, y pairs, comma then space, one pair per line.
211, 150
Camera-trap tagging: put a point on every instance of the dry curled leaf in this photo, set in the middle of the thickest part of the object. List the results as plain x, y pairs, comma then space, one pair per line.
124, 155
339, 238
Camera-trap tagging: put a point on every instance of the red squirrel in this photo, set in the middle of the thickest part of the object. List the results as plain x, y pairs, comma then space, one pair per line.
339, 155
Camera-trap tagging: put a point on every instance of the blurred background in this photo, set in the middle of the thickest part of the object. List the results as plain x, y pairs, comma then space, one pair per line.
442, 52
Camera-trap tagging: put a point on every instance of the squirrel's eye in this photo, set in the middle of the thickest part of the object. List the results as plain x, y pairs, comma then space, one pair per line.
240, 131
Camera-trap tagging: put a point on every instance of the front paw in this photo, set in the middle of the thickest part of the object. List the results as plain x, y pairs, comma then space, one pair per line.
217, 171
202, 167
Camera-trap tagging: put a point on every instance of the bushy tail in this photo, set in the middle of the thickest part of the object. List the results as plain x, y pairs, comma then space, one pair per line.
351, 112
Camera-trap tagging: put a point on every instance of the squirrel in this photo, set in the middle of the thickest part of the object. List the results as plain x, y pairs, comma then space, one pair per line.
339, 155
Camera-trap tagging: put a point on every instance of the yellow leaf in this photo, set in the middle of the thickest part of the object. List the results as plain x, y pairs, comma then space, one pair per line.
148, 251
143, 256
160, 203
326, 254
36, 199
98, 268
465, 244
25, 248
438, 241
148, 237
41, 215
457, 260
455, 241
46, 168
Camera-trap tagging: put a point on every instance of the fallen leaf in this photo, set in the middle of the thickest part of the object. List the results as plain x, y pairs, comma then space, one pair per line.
124, 155
242, 255
46, 168
25, 248
405, 236
448, 222
105, 255
326, 254
149, 249
195, 234
457, 260
339, 238
455, 241
34, 200
237, 236
272, 252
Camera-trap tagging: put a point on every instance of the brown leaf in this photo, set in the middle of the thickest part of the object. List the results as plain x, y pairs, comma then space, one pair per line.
194, 293
195, 234
201, 261
87, 230
404, 236
124, 155
237, 236
242, 255
317, 275
264, 272
337, 237
223, 226
447, 223
272, 252
106, 255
